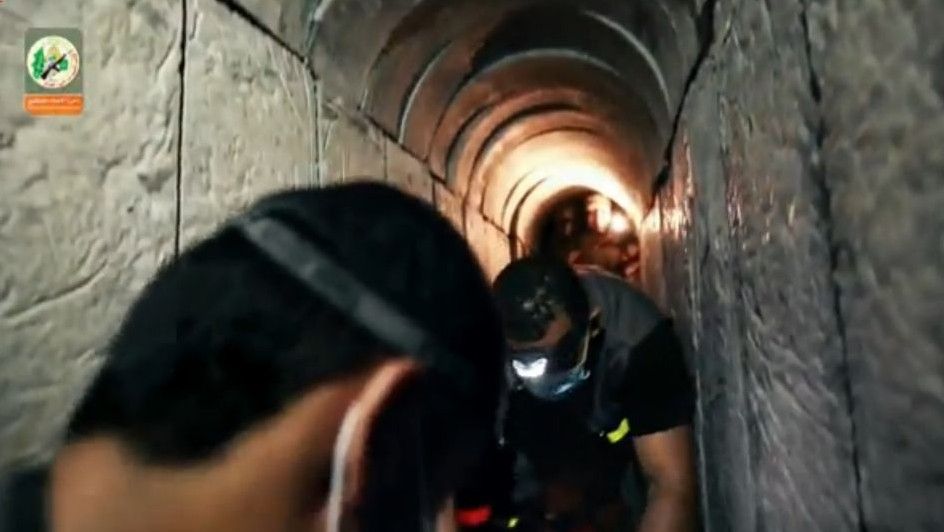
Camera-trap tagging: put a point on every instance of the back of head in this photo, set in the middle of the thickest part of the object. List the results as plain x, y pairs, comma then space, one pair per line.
223, 338
531, 292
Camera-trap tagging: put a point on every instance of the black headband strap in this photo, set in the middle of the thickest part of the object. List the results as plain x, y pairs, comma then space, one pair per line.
337, 287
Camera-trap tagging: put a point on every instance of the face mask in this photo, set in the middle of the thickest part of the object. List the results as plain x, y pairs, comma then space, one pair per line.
342, 447
334, 515
534, 371
553, 387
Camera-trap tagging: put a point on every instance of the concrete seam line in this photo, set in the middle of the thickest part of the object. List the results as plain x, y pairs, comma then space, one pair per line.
706, 19
254, 21
414, 89
319, 134
178, 194
310, 87
819, 177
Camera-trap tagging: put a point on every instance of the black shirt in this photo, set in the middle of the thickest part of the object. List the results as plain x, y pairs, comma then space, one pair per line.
554, 436
654, 394
642, 360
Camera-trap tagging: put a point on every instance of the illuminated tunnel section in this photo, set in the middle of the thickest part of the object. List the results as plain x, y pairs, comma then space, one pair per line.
516, 104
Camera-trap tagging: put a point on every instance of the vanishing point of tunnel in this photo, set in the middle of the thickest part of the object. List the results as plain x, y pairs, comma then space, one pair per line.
770, 173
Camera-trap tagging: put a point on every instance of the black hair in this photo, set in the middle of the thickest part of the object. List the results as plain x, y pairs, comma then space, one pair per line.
533, 291
222, 338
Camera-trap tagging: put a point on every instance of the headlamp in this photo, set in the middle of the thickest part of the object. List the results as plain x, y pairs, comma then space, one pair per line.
530, 370
549, 373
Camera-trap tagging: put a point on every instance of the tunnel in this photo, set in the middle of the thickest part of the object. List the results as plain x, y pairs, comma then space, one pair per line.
516, 104
778, 163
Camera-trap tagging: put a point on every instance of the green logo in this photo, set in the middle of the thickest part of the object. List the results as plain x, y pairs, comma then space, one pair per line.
53, 62
60, 60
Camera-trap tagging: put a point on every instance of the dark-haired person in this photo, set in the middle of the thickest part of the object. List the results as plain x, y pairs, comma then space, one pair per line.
330, 360
601, 402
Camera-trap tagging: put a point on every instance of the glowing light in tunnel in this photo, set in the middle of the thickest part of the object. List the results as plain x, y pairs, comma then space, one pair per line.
554, 173
530, 178
601, 211
619, 224
591, 175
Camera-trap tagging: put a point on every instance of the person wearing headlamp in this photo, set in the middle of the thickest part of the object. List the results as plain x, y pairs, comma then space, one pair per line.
600, 404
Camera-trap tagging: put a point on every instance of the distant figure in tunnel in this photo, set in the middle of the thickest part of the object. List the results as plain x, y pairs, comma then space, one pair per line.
278, 377
590, 230
598, 417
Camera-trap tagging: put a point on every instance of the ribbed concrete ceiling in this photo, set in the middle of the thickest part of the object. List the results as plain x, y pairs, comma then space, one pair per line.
515, 102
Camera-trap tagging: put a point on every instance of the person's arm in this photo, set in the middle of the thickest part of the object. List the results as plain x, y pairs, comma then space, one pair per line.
660, 405
446, 520
667, 460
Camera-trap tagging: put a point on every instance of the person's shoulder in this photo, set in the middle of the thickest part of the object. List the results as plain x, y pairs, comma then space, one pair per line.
598, 277
589, 272
601, 284
627, 311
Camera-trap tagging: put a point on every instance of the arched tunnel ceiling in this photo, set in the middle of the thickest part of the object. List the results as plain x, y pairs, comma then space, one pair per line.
546, 163
467, 85
543, 75
498, 130
351, 35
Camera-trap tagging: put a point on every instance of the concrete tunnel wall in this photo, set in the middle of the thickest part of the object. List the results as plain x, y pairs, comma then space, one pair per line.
796, 240
798, 244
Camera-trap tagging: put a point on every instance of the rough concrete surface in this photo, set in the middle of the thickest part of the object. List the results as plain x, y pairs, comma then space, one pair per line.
880, 66
249, 119
802, 252
671, 226
771, 364
715, 333
290, 20
499, 252
650, 243
352, 148
86, 205
793, 356
476, 234
449, 205
407, 172
488, 242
